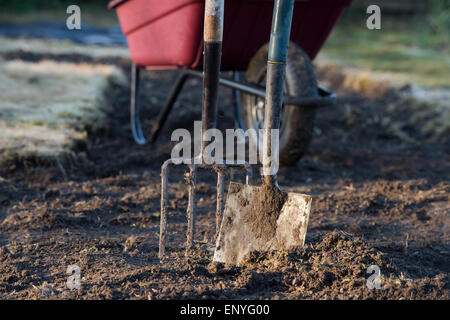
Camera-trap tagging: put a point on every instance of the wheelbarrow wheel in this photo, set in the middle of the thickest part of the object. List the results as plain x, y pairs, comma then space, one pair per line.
296, 125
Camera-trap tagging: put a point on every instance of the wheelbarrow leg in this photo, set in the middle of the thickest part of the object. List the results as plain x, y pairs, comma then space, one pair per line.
136, 128
135, 122
239, 123
165, 111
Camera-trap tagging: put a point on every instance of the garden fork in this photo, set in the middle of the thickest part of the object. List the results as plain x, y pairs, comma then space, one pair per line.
213, 34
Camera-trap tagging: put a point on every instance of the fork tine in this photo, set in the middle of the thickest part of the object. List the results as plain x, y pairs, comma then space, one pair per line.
248, 174
220, 201
163, 219
191, 207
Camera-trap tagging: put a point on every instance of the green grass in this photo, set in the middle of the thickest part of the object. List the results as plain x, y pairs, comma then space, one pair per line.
94, 13
28, 6
409, 48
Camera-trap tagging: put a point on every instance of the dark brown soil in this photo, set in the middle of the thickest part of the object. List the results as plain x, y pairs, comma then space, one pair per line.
265, 208
377, 200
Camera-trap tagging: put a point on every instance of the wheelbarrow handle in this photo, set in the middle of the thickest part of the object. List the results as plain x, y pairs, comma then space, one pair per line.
276, 69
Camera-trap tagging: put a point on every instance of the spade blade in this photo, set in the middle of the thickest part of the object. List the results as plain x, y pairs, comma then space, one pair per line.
238, 235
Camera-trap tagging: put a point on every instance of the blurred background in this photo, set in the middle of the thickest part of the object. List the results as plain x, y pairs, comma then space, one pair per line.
413, 42
53, 80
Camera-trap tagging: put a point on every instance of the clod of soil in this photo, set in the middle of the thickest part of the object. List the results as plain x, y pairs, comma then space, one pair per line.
265, 208
333, 266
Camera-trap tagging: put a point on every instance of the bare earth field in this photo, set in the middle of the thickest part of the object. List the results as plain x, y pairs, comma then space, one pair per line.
380, 192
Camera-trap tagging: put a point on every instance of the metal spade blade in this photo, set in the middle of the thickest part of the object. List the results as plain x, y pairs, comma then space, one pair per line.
237, 236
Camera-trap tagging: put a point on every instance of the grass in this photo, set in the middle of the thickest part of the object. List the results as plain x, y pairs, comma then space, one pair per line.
408, 49
93, 13
46, 105
52, 46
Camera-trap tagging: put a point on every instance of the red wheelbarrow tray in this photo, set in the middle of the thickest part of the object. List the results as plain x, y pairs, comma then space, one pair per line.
168, 34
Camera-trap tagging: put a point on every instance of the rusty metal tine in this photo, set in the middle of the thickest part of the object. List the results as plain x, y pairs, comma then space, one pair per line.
163, 218
220, 201
191, 207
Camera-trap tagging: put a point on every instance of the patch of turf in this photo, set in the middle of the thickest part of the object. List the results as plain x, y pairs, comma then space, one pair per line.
408, 48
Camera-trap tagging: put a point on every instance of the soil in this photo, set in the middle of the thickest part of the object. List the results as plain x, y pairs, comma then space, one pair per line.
378, 199
265, 208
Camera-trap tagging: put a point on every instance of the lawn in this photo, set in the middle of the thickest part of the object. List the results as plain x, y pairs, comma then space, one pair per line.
409, 48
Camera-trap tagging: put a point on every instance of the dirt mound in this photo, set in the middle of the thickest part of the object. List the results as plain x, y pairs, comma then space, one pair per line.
333, 266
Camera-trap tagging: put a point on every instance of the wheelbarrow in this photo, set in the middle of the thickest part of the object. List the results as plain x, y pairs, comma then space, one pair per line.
167, 35
164, 35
